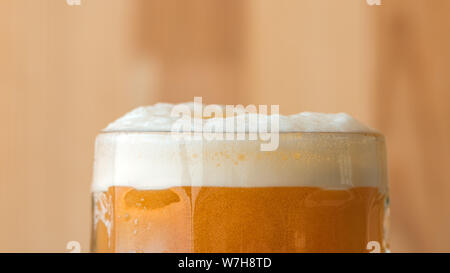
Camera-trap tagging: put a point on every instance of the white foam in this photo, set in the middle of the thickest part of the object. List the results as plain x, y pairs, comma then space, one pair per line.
131, 152
158, 118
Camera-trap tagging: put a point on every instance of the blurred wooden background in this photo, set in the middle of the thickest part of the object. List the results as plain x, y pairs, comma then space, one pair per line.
66, 71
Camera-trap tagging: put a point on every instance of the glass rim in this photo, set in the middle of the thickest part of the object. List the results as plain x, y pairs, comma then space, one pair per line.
360, 133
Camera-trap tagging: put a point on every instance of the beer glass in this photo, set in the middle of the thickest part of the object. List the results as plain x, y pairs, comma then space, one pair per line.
318, 192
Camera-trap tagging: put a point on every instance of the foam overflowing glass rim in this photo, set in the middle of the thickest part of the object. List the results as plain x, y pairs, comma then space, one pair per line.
162, 117
332, 151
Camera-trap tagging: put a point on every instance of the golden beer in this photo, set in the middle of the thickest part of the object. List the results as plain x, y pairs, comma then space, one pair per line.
318, 192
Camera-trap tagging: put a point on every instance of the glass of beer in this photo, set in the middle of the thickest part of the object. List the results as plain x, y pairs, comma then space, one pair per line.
324, 189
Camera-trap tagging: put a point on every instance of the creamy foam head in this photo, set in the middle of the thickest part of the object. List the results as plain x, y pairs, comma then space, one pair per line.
160, 118
138, 151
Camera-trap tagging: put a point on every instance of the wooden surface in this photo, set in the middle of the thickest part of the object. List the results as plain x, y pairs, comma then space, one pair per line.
65, 72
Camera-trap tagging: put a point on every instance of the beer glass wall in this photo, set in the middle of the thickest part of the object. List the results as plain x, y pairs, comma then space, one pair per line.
324, 189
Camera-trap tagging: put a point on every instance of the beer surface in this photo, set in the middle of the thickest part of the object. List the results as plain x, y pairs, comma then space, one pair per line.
229, 219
